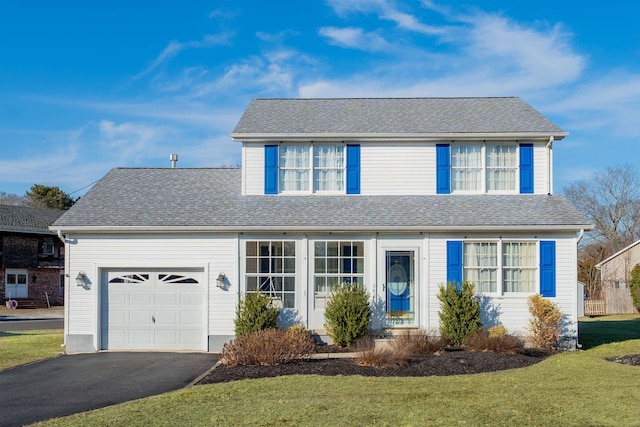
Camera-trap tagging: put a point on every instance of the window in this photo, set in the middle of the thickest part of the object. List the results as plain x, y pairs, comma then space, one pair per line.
335, 263
481, 265
16, 277
328, 168
484, 167
501, 167
270, 267
310, 168
519, 267
296, 168
512, 264
47, 247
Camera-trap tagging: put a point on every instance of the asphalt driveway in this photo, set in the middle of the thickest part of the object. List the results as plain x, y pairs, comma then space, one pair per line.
75, 383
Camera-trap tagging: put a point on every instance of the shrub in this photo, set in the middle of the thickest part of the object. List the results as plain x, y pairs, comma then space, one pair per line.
347, 314
497, 331
634, 286
459, 312
268, 347
367, 354
544, 326
255, 313
418, 342
483, 341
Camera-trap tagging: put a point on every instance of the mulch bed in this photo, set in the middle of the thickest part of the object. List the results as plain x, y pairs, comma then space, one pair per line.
446, 363
632, 359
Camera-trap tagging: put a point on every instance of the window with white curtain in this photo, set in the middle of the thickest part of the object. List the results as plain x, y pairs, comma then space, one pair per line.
466, 168
519, 267
317, 168
481, 265
328, 168
484, 167
336, 263
294, 168
513, 265
502, 165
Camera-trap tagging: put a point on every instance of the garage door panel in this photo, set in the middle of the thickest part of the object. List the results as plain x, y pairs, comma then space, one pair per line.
146, 310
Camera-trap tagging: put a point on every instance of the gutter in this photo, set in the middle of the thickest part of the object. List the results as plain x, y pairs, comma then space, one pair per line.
325, 228
549, 162
331, 136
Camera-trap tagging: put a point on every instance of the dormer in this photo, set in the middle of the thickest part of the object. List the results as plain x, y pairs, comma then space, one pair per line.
378, 146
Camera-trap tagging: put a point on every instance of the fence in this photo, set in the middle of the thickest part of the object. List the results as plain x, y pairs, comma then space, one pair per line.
594, 307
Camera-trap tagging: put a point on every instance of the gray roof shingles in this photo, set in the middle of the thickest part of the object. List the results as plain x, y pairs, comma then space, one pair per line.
179, 198
21, 219
396, 116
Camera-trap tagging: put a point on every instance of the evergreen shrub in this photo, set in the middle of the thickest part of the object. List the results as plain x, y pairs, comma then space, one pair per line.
347, 314
634, 286
255, 313
459, 312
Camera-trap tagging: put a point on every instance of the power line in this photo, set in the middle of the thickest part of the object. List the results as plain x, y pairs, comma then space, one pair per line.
49, 172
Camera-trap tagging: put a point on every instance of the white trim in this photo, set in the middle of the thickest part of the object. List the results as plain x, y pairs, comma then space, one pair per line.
599, 265
385, 137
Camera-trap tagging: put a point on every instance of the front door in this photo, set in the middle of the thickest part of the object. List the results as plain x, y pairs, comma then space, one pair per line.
400, 287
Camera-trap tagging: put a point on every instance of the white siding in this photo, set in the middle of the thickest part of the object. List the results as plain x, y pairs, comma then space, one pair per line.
398, 168
213, 254
252, 169
540, 175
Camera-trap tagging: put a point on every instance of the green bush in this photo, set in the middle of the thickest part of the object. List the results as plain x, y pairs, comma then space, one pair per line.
255, 313
634, 286
544, 326
459, 312
347, 314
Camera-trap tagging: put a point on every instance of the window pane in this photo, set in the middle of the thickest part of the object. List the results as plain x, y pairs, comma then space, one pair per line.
332, 265
321, 265
332, 248
501, 167
289, 265
252, 265
289, 301
22, 279
320, 249
290, 249
289, 284
252, 284
11, 278
252, 249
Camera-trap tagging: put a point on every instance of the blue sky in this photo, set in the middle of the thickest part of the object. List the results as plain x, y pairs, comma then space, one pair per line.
86, 86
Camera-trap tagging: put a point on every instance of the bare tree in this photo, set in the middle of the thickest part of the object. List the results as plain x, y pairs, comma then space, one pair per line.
13, 199
611, 200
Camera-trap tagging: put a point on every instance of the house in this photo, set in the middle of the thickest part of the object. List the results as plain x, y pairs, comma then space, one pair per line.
32, 265
398, 195
615, 273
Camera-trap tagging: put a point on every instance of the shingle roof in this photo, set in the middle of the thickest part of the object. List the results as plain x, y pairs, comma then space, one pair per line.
21, 219
392, 116
180, 199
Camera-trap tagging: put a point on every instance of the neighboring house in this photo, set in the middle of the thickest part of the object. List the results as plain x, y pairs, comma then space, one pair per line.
615, 273
32, 256
398, 195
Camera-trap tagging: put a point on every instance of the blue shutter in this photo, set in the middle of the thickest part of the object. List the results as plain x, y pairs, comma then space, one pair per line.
270, 169
454, 262
353, 169
443, 169
548, 268
526, 168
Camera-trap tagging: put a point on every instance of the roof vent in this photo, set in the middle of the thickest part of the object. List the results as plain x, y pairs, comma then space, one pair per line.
174, 159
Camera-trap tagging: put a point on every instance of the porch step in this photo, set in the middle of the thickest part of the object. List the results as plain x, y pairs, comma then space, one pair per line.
29, 303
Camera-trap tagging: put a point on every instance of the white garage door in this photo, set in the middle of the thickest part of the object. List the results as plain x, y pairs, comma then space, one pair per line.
153, 310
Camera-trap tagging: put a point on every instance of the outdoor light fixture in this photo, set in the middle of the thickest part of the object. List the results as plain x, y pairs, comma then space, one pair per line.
80, 279
220, 280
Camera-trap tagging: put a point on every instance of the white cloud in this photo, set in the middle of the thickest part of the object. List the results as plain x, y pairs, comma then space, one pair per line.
355, 38
174, 47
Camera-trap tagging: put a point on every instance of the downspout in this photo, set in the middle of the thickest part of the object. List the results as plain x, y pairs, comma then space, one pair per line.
580, 235
548, 147
67, 256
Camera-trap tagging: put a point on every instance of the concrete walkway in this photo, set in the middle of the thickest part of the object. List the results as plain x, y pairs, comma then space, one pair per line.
70, 384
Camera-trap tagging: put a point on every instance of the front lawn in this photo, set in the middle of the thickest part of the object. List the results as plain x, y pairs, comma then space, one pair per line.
20, 347
569, 389
608, 329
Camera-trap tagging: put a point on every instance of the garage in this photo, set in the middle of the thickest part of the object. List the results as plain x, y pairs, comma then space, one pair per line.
153, 310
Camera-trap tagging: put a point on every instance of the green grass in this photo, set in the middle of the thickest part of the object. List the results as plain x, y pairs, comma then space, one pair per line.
576, 388
608, 329
20, 347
